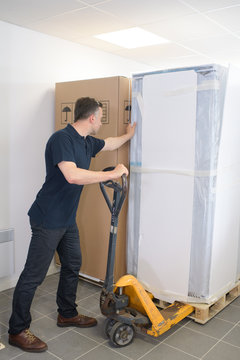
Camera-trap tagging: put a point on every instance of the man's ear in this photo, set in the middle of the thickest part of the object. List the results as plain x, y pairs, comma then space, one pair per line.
91, 118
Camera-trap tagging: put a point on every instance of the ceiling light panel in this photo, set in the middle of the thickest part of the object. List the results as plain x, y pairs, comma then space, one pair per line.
132, 38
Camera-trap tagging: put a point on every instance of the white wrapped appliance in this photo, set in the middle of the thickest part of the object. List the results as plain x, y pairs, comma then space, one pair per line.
184, 198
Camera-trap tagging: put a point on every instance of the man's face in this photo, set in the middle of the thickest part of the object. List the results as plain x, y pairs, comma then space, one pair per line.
97, 121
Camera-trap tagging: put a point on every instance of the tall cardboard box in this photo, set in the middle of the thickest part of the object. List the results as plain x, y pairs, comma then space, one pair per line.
93, 216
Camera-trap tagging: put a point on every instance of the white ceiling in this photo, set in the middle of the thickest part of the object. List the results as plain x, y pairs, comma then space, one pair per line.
200, 31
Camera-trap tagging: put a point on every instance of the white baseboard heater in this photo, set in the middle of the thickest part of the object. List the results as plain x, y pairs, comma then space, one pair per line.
6, 252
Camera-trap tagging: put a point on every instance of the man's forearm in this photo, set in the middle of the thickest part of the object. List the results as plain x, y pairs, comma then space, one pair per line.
84, 177
79, 176
113, 143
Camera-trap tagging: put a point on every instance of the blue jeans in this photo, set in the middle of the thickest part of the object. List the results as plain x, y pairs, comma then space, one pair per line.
43, 244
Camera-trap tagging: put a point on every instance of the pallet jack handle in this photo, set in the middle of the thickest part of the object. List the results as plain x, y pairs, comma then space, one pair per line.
119, 195
115, 207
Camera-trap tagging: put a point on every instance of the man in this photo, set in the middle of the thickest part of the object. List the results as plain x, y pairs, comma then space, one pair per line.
52, 218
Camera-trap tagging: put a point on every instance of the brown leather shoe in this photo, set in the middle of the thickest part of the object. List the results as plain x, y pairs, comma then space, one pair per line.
79, 321
27, 342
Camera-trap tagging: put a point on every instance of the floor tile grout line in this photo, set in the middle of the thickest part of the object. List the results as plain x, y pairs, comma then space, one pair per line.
55, 337
164, 341
4, 295
218, 341
47, 315
87, 297
15, 357
1, 323
87, 337
57, 357
117, 352
3, 334
184, 352
217, 317
9, 296
175, 332
149, 351
182, 326
18, 355
41, 317
90, 311
55, 291
36, 297
1, 312
6, 309
228, 343
236, 306
211, 349
201, 333
38, 313
228, 321
53, 312
41, 295
83, 307
79, 357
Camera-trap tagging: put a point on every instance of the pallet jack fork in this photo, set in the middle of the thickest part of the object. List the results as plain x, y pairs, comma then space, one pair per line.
127, 305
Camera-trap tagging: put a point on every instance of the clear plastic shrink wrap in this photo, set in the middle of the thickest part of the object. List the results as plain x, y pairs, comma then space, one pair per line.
184, 197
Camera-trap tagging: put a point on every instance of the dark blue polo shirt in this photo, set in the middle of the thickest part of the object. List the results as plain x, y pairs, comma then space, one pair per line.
57, 201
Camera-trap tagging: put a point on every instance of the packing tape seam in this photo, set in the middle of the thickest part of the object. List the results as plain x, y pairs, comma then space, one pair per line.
141, 170
193, 173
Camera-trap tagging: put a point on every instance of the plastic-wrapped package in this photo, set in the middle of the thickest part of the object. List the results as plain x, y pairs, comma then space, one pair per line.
184, 198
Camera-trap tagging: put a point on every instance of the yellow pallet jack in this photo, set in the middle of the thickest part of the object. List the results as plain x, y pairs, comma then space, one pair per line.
127, 305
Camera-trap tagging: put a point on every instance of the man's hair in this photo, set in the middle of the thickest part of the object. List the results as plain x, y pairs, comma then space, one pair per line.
85, 107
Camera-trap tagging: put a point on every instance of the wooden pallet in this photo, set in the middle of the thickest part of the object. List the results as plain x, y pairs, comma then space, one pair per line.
204, 312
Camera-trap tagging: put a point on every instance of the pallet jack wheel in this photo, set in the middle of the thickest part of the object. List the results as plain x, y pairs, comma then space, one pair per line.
108, 324
121, 334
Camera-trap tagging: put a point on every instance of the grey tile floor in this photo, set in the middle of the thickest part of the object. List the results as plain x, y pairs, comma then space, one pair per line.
219, 339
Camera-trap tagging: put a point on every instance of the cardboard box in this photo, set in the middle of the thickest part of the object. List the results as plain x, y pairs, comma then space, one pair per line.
93, 216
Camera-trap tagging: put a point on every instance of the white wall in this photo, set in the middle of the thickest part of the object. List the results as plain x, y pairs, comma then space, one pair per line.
30, 65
